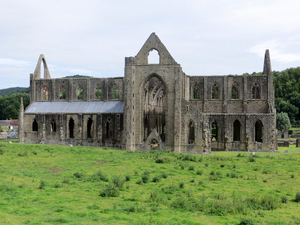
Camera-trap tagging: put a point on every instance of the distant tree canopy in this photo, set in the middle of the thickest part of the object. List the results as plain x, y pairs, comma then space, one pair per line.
282, 121
10, 105
9, 91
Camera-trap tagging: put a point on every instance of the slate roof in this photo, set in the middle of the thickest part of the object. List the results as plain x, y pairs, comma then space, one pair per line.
76, 107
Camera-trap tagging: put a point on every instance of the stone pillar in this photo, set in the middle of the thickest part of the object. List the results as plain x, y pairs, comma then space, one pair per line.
298, 143
21, 123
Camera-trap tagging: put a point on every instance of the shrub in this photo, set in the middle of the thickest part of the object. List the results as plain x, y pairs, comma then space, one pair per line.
181, 185
233, 174
192, 167
145, 178
291, 131
78, 175
297, 197
118, 181
222, 165
192, 181
57, 185
246, 221
156, 179
200, 159
218, 173
25, 153
233, 166
66, 180
293, 175
284, 199
251, 159
136, 173
200, 182
265, 180
212, 173
1, 151
100, 176
110, 191
206, 164
163, 160
139, 181
42, 184
182, 166
199, 172
127, 178
164, 175
34, 152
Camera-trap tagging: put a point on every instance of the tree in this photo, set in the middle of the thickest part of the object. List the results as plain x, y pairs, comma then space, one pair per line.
282, 121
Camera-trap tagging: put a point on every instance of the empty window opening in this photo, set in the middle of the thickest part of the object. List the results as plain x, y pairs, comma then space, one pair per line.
115, 92
214, 131
282, 136
154, 144
62, 93
89, 128
44, 93
153, 57
34, 125
191, 136
71, 128
187, 108
196, 92
80, 94
98, 93
53, 125
109, 129
258, 131
236, 131
234, 93
255, 92
215, 92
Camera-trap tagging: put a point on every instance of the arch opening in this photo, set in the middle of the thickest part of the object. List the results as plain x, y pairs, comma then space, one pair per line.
153, 57
255, 92
234, 93
80, 93
44, 93
53, 125
71, 128
89, 128
214, 131
62, 93
34, 125
215, 92
236, 131
258, 131
191, 133
154, 107
196, 92
115, 92
98, 93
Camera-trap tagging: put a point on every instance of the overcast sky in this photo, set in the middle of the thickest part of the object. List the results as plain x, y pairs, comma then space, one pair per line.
93, 37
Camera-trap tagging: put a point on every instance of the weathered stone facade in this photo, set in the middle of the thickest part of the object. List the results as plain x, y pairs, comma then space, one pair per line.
163, 107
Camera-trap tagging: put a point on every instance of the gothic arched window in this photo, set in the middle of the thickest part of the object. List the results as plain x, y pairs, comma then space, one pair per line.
89, 128
215, 92
214, 131
80, 93
98, 93
34, 125
191, 134
62, 93
196, 93
115, 92
44, 93
255, 92
53, 125
153, 57
234, 93
71, 128
258, 131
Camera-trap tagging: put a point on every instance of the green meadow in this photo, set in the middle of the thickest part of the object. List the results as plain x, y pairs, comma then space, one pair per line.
47, 184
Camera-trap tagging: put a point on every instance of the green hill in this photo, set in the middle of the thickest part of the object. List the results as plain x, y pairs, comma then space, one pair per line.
9, 91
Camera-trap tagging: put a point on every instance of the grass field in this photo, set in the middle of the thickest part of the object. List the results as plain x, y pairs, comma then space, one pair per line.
47, 184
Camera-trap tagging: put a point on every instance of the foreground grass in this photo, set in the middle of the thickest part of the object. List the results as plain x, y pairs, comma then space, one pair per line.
44, 184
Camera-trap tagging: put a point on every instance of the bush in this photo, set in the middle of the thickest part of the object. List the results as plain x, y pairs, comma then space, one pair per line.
99, 176
136, 173
139, 181
291, 131
246, 221
145, 178
206, 164
222, 165
127, 178
1, 151
57, 185
192, 167
293, 175
284, 199
42, 184
165, 176
297, 197
78, 175
251, 159
233, 174
163, 160
212, 173
200, 159
25, 153
156, 179
118, 181
181, 185
199, 172
66, 180
110, 191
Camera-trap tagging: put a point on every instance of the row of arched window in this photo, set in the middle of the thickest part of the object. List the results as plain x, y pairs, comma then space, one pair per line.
236, 131
255, 93
109, 127
79, 93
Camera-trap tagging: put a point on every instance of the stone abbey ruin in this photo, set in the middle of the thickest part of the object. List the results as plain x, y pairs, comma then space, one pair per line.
153, 105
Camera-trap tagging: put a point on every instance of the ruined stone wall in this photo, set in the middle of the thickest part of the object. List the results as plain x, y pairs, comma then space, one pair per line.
72, 85
61, 134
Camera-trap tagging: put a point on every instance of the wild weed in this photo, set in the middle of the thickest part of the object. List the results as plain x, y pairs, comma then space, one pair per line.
118, 181
199, 172
181, 185
42, 184
110, 191
297, 197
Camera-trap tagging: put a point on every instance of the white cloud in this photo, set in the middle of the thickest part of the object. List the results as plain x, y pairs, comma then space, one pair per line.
14, 63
